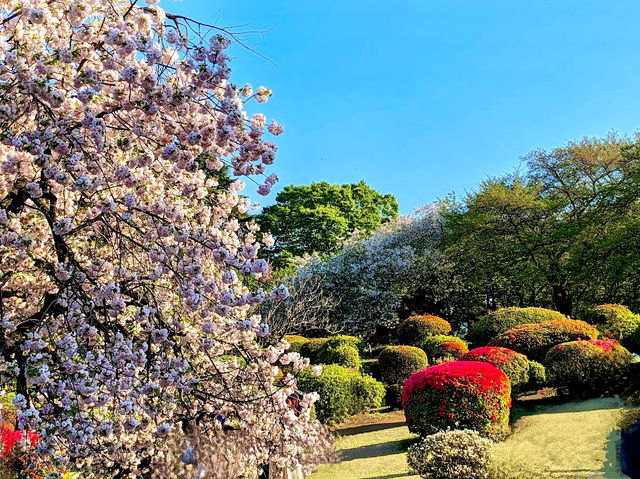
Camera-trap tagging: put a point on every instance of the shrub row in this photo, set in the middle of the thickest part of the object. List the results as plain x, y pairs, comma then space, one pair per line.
513, 364
617, 322
534, 340
501, 320
416, 329
343, 392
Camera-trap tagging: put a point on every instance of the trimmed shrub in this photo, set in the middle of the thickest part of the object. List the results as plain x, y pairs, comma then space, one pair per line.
310, 348
501, 320
534, 340
468, 394
397, 363
587, 366
353, 341
458, 454
342, 354
618, 322
393, 395
343, 392
295, 342
444, 348
514, 365
537, 376
416, 329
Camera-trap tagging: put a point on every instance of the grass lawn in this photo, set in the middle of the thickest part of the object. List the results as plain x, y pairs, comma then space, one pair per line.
371, 447
570, 440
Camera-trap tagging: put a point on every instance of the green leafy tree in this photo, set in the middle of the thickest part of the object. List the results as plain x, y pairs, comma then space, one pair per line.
317, 218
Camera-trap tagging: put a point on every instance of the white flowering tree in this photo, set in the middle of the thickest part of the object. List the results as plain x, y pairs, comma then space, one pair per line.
370, 278
125, 336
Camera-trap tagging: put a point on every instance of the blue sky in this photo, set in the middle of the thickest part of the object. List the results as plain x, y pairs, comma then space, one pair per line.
420, 98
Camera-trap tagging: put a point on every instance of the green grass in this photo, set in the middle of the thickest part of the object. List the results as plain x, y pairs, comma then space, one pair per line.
371, 455
570, 440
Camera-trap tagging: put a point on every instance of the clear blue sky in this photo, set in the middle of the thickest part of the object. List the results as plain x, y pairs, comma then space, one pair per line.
423, 97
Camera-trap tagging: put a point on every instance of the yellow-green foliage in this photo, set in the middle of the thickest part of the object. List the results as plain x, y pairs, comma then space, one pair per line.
295, 342
498, 321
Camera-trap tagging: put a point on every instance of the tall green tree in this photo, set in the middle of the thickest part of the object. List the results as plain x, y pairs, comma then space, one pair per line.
561, 234
317, 218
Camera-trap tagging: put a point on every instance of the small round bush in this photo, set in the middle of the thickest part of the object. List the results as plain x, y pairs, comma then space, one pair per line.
311, 347
587, 366
343, 392
534, 340
501, 320
397, 363
514, 365
537, 376
458, 454
416, 329
295, 342
444, 348
344, 339
342, 354
468, 394
617, 322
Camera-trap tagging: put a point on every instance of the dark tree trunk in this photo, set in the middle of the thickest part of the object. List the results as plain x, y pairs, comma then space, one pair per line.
562, 300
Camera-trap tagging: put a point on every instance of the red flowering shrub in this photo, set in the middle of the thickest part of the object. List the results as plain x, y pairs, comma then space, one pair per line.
416, 329
587, 366
514, 365
501, 320
457, 394
444, 348
14, 458
534, 340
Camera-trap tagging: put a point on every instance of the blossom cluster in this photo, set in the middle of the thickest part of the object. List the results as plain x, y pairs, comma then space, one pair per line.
126, 328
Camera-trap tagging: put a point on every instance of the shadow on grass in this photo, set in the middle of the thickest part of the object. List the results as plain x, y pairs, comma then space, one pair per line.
376, 450
611, 468
350, 431
388, 476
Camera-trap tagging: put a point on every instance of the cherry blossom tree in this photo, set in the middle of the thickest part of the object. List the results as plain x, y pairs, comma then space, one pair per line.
123, 268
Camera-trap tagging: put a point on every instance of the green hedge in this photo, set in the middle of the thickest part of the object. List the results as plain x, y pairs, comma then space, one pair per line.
296, 342
537, 376
444, 348
498, 321
617, 322
343, 392
534, 340
595, 366
311, 347
397, 363
416, 329
342, 354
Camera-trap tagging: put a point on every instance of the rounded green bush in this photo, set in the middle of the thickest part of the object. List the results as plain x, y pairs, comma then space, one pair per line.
416, 329
397, 363
343, 392
295, 342
534, 340
311, 347
587, 366
458, 394
342, 354
498, 321
514, 365
617, 322
444, 348
458, 454
537, 376
353, 341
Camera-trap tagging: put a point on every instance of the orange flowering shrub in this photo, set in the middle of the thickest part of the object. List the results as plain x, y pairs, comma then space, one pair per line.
458, 394
534, 340
416, 329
